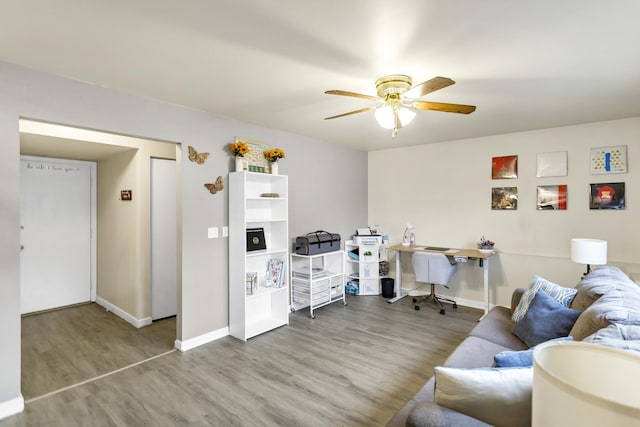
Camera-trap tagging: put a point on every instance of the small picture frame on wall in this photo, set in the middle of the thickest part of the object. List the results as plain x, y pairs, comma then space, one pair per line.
551, 164
605, 160
504, 198
608, 195
505, 167
552, 197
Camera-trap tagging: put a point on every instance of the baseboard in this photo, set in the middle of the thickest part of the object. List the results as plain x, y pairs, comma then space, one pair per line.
11, 407
138, 323
202, 339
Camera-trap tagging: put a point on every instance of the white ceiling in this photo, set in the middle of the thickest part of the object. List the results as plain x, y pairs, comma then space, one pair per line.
525, 65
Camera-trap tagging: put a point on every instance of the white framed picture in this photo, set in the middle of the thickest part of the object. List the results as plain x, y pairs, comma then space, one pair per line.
606, 160
551, 164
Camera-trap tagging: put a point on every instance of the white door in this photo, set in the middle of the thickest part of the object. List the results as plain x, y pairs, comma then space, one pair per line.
56, 222
164, 277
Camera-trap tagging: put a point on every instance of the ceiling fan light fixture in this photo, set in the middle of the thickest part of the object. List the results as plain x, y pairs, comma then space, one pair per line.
386, 119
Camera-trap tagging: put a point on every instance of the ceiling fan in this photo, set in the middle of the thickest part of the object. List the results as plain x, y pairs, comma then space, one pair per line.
397, 100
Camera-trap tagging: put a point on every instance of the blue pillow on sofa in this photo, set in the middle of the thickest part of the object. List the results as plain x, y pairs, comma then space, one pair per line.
519, 359
545, 319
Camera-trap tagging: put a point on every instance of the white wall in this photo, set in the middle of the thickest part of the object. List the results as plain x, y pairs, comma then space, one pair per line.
444, 190
320, 191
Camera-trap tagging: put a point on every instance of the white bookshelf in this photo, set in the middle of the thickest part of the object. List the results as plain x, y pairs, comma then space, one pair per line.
268, 307
365, 270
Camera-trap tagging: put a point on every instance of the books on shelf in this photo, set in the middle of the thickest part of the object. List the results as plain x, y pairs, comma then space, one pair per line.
276, 273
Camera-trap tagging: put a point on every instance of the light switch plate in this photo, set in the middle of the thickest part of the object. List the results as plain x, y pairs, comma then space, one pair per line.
212, 232
225, 231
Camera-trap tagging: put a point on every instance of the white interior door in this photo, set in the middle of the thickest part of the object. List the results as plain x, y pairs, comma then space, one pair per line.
164, 277
56, 217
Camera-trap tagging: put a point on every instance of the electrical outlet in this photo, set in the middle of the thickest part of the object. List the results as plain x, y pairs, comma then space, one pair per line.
212, 232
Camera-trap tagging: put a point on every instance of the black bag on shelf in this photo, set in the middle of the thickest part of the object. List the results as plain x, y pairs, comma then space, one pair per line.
317, 242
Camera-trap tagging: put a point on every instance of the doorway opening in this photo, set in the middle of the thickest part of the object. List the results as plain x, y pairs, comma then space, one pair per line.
123, 237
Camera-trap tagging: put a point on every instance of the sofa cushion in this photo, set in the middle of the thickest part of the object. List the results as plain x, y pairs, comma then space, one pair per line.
519, 359
617, 335
501, 397
561, 294
546, 319
496, 327
475, 352
597, 283
620, 304
430, 414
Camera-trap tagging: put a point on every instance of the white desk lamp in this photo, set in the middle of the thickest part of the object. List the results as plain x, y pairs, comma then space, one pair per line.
589, 251
405, 236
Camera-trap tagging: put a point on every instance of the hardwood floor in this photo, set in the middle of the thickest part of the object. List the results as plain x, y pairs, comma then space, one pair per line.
353, 365
67, 346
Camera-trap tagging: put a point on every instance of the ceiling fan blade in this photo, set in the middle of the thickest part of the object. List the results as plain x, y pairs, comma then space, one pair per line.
362, 110
355, 95
447, 108
429, 86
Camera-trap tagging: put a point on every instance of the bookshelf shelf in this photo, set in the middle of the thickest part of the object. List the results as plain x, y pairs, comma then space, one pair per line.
266, 308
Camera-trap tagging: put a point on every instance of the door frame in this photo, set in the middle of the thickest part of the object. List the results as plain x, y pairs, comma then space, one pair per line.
93, 214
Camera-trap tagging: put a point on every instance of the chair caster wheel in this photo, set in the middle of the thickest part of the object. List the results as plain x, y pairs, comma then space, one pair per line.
455, 305
417, 307
442, 311
414, 300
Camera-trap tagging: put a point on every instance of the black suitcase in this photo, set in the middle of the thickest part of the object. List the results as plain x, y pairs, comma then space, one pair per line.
317, 242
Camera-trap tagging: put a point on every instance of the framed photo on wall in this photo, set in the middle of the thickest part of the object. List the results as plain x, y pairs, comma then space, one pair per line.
504, 198
505, 167
552, 197
606, 160
609, 195
551, 164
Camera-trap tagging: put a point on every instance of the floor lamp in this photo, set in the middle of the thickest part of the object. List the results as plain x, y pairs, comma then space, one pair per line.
589, 251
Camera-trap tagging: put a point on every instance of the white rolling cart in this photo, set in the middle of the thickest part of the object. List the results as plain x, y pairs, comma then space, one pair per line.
316, 280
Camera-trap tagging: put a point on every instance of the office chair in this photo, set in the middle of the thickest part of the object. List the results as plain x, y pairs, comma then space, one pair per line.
434, 269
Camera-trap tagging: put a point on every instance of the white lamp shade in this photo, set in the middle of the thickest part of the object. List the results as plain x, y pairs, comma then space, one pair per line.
385, 118
584, 384
589, 251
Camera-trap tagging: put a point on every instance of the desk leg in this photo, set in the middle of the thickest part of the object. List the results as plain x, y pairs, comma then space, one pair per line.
485, 274
398, 284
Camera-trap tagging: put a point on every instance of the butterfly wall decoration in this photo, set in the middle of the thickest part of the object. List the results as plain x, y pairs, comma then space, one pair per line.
217, 186
194, 156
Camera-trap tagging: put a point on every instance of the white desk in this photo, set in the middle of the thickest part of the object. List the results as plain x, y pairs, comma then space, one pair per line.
471, 254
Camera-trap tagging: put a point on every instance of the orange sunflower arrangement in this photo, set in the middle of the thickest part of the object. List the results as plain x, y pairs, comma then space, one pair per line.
274, 154
238, 149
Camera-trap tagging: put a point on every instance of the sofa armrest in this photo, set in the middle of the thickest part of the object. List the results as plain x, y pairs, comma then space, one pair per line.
515, 298
430, 414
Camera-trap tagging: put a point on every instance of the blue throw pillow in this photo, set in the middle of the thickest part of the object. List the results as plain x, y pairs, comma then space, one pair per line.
561, 294
519, 359
545, 319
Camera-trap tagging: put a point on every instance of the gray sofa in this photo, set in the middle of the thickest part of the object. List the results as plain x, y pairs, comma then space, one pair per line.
610, 306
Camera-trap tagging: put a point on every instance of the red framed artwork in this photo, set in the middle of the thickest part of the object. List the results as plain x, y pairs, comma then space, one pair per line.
505, 167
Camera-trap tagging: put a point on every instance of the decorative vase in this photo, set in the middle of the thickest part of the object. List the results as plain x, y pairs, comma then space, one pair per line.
239, 164
274, 168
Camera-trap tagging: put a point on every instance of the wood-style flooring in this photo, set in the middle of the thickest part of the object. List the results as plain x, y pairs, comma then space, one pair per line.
74, 344
353, 365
